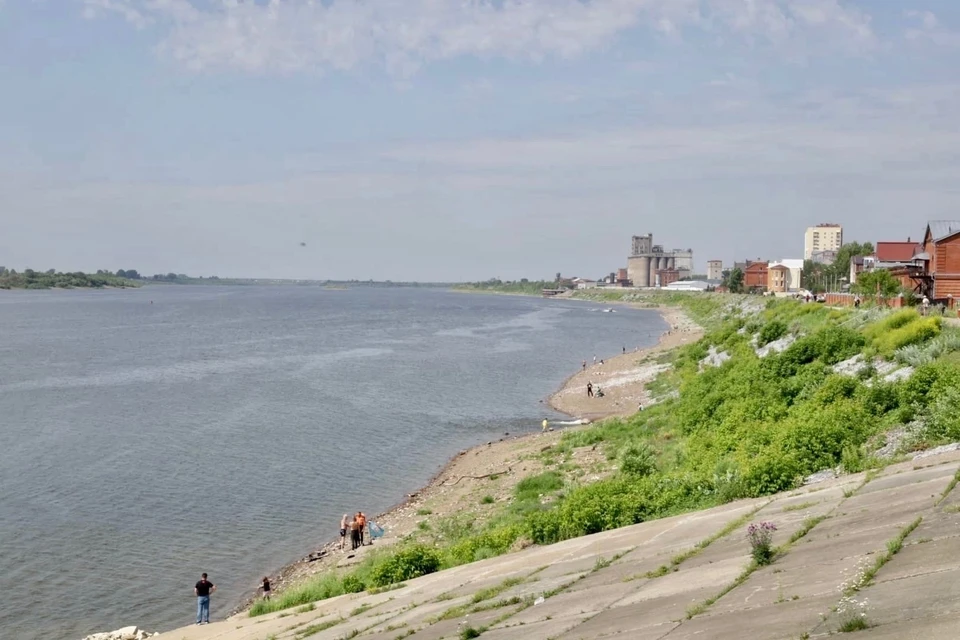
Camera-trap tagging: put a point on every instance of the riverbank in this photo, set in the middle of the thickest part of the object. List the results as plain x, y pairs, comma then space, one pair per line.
471, 484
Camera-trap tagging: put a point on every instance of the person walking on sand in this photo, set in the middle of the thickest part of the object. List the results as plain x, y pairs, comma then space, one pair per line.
265, 585
344, 523
589, 389
362, 521
203, 589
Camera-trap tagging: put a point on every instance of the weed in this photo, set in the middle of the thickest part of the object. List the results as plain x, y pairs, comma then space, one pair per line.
760, 537
317, 628
487, 500
424, 512
306, 608
799, 507
805, 528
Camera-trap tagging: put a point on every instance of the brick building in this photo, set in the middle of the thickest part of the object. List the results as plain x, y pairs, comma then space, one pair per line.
756, 275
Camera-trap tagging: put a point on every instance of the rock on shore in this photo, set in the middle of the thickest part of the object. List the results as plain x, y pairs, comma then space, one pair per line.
127, 633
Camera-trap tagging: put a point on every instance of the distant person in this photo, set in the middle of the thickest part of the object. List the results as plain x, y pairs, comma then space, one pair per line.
344, 524
354, 534
640, 407
584, 367
856, 302
601, 363
624, 348
545, 424
362, 521
203, 589
265, 585
594, 359
599, 392
589, 389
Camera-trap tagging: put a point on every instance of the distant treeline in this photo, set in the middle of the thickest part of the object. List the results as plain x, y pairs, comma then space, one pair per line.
52, 279
518, 286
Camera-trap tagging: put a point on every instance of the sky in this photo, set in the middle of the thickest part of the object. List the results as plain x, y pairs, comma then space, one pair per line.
466, 139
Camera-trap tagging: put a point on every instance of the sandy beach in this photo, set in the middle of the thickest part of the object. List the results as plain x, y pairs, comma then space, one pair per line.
496, 467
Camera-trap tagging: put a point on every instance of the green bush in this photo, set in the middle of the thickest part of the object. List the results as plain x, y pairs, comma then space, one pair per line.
771, 331
484, 545
638, 460
407, 563
531, 488
916, 332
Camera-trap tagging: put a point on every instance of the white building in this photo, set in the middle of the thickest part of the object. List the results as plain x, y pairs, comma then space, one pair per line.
826, 237
687, 285
714, 269
792, 271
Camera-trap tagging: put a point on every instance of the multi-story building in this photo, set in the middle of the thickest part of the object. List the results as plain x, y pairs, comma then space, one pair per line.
714, 269
823, 238
756, 275
784, 276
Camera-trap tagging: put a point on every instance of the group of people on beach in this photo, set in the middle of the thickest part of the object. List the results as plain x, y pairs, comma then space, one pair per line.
356, 526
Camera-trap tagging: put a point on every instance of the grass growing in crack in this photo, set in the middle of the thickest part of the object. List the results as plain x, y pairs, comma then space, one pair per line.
471, 632
805, 528
306, 608
854, 624
949, 488
894, 545
361, 609
799, 507
493, 592
317, 628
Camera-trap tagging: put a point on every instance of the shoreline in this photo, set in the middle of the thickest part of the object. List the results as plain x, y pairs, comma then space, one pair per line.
624, 377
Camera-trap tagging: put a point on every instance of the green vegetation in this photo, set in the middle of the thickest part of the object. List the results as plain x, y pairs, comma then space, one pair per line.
750, 427
519, 287
30, 279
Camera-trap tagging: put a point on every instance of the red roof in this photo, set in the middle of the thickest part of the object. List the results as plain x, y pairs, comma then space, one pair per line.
895, 251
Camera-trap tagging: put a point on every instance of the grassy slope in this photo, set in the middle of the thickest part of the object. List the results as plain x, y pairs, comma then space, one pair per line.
750, 427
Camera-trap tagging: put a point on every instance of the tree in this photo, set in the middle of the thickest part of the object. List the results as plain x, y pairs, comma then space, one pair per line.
841, 265
734, 281
877, 283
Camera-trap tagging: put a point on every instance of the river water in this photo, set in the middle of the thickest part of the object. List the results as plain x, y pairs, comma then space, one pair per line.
148, 435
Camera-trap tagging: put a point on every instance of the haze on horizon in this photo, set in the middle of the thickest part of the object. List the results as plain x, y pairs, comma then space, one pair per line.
427, 140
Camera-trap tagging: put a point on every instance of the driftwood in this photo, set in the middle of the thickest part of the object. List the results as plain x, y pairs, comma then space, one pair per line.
495, 473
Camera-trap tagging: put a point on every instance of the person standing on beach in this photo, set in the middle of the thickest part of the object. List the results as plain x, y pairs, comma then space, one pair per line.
545, 425
584, 367
203, 589
265, 585
362, 521
344, 522
354, 534
589, 389
594, 359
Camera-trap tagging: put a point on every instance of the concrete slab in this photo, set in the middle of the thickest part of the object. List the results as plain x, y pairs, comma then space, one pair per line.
656, 632
918, 597
542, 629
937, 556
777, 622
939, 628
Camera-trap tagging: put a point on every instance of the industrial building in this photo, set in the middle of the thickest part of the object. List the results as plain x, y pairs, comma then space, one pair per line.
714, 269
649, 265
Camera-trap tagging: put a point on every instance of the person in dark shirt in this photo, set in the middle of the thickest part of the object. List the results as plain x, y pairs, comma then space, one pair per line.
265, 585
203, 589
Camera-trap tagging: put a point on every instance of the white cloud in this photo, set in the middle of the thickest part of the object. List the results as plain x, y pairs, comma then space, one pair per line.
929, 29
402, 35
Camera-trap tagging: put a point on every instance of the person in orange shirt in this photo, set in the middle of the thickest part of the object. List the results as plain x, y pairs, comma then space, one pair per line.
362, 521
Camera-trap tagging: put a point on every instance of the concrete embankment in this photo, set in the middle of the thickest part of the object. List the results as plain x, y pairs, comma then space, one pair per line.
888, 539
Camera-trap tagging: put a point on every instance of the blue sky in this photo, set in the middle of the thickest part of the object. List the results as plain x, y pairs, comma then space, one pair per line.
465, 139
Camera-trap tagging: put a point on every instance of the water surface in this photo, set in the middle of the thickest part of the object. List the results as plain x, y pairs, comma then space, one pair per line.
152, 434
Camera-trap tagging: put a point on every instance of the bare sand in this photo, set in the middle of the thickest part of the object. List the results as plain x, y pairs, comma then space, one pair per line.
493, 469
